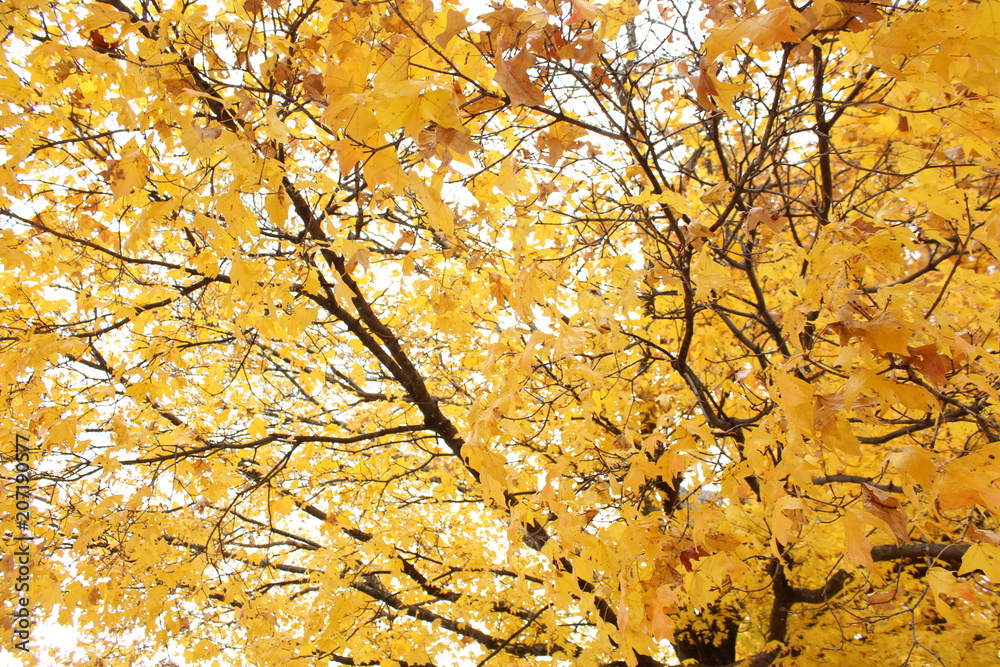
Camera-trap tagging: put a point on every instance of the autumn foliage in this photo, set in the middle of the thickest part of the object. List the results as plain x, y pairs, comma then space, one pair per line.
416, 333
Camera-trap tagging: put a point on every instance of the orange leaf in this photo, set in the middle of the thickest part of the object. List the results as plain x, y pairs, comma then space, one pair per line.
881, 597
859, 549
769, 30
704, 87
931, 363
916, 463
766, 31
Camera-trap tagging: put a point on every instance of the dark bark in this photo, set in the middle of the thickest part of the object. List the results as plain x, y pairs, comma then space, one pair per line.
710, 639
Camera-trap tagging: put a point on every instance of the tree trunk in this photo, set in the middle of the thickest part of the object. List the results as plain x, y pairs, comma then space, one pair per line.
709, 639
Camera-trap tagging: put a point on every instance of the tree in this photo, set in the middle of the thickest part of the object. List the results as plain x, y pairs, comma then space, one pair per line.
401, 333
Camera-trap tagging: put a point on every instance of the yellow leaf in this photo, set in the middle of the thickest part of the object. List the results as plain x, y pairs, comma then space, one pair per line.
916, 463
719, 192
276, 204
796, 398
787, 519
983, 557
456, 24
128, 172
257, 428
277, 127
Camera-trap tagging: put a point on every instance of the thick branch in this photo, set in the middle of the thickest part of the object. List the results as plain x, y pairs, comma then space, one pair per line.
857, 479
948, 553
824, 593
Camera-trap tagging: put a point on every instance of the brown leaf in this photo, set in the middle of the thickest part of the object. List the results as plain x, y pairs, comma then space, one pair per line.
881, 597
955, 153
761, 216
98, 41
283, 72
208, 133
622, 442
690, 554
862, 15
879, 600
883, 506
314, 87
512, 76
974, 534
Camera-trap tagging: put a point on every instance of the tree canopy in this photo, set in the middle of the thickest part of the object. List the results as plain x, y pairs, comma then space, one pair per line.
425, 333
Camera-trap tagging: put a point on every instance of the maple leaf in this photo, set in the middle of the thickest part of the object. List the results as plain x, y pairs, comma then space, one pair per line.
758, 216
766, 30
583, 11
128, 172
98, 41
447, 139
690, 555
931, 363
456, 24
717, 193
512, 76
